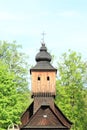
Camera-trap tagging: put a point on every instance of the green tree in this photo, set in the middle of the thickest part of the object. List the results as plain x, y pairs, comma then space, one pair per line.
17, 61
8, 97
70, 88
14, 73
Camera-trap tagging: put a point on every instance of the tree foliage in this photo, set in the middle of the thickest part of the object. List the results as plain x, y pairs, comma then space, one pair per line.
8, 97
11, 54
14, 85
70, 88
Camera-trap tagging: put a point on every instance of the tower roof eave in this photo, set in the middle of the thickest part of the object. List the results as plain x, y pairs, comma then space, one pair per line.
43, 66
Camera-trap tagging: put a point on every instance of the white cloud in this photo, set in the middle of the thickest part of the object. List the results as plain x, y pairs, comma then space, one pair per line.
6, 16
13, 16
68, 13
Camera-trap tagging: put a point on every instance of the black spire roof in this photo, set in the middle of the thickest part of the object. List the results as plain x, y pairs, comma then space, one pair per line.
43, 59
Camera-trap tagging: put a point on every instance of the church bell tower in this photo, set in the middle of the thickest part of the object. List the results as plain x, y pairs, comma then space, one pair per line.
43, 113
43, 80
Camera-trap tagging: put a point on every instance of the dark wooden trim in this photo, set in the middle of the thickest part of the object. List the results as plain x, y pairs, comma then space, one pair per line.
41, 94
43, 70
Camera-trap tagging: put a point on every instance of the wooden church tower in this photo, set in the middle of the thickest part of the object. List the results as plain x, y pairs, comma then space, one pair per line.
43, 114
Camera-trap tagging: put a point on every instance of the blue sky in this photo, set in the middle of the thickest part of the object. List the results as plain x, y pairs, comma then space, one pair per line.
63, 21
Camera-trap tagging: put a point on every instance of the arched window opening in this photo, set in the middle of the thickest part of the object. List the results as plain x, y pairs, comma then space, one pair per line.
38, 78
48, 78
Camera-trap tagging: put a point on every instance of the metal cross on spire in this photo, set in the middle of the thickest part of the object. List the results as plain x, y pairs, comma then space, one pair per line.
43, 34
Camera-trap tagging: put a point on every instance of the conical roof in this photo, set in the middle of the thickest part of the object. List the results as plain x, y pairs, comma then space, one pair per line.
43, 59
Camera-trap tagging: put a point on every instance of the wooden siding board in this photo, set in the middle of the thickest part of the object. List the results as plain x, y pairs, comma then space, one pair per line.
43, 85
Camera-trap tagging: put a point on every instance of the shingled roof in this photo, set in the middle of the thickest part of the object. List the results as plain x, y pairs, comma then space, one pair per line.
45, 117
43, 59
